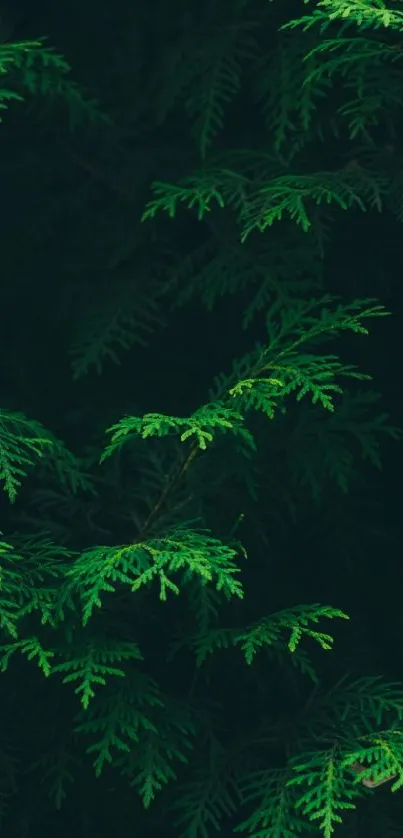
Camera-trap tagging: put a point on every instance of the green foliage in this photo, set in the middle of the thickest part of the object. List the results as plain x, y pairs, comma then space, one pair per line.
185, 551
305, 374
380, 757
374, 14
354, 420
298, 622
118, 720
121, 601
32, 648
135, 318
259, 205
90, 665
321, 777
147, 739
269, 632
274, 814
31, 570
327, 796
219, 82
22, 442
40, 70
58, 769
317, 785
201, 425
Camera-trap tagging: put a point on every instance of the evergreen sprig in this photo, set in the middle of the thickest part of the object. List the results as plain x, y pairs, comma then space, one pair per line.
269, 375
291, 196
272, 804
294, 623
58, 769
92, 663
183, 551
326, 796
218, 83
41, 70
23, 442
366, 14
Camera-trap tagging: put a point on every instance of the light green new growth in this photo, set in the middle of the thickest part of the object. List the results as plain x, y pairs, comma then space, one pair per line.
269, 376
184, 551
